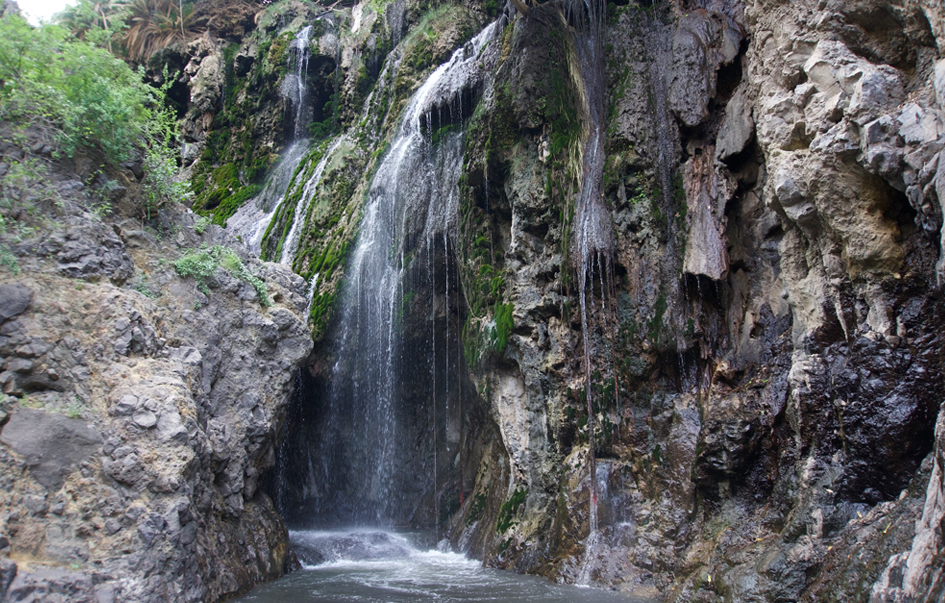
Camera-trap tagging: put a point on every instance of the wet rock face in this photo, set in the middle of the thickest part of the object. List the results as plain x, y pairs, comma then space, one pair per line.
767, 361
767, 364
915, 574
138, 412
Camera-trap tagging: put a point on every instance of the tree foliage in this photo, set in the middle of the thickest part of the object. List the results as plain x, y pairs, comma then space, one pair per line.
135, 29
82, 96
83, 93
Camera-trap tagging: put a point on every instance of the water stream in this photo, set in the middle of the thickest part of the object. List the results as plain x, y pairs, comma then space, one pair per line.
592, 238
369, 469
294, 86
357, 566
291, 243
252, 219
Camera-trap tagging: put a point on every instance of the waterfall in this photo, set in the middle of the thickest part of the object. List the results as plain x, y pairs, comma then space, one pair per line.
252, 220
291, 243
310, 295
294, 86
592, 237
372, 464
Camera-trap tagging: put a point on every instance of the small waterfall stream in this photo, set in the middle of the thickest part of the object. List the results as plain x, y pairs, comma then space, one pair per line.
294, 86
291, 242
252, 220
592, 237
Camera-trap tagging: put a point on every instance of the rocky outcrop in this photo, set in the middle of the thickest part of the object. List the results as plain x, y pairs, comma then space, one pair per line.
765, 367
765, 385
139, 410
916, 574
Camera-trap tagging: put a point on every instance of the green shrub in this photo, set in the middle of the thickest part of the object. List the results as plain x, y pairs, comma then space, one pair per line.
84, 97
201, 224
200, 266
203, 263
86, 94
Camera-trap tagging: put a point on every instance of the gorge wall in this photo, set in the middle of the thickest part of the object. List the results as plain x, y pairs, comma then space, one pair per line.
763, 378
139, 411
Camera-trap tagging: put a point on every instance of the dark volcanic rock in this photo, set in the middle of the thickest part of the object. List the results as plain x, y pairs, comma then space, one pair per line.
52, 445
14, 299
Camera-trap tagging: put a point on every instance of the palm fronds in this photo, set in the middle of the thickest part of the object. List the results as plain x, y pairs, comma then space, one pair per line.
152, 25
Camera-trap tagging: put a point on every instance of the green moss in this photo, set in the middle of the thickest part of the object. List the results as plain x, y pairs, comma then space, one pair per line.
232, 203
655, 324
419, 49
282, 220
332, 258
477, 509
278, 50
226, 175
509, 510
232, 162
442, 132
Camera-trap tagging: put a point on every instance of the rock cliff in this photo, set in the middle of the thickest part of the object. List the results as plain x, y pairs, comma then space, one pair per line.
762, 393
767, 361
140, 409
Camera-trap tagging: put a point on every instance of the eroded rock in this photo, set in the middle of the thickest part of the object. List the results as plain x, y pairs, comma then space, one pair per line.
51, 445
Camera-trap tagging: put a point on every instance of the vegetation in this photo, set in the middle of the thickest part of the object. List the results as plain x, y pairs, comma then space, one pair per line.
509, 510
139, 29
202, 264
77, 97
81, 93
477, 509
503, 327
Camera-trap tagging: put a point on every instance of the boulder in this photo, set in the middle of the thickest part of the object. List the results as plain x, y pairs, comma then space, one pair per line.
14, 299
52, 445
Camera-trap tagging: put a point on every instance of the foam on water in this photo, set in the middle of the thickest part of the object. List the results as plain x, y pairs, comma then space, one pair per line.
371, 566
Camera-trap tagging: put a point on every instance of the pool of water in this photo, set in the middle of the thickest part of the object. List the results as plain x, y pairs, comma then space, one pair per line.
365, 566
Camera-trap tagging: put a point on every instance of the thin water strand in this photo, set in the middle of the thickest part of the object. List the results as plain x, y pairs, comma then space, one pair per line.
291, 243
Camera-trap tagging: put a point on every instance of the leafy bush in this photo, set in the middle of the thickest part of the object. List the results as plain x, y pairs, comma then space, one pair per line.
203, 263
200, 266
201, 224
84, 97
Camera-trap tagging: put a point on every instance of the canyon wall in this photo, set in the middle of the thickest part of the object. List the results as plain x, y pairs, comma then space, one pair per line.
140, 409
764, 375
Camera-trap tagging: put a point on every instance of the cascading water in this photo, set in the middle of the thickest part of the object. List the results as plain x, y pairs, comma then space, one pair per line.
291, 243
251, 221
294, 86
592, 236
371, 465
